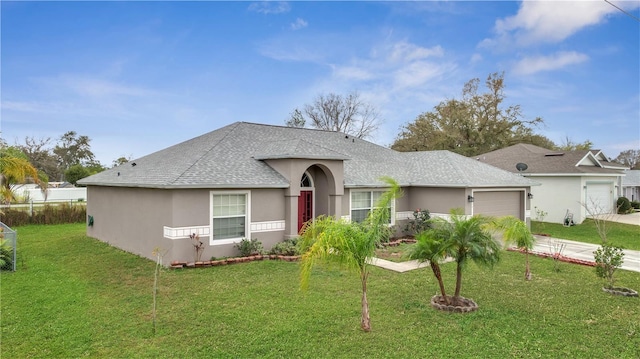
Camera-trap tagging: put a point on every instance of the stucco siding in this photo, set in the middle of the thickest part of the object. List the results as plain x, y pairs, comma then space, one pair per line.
436, 200
555, 196
112, 210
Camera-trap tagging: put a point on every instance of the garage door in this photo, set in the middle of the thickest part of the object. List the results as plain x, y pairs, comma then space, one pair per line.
599, 198
499, 203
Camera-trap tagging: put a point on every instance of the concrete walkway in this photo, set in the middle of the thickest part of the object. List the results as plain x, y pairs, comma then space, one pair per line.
572, 249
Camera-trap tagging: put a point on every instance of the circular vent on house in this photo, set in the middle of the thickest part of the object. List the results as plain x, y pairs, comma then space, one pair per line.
521, 167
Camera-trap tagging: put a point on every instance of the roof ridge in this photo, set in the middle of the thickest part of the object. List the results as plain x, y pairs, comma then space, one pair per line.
297, 128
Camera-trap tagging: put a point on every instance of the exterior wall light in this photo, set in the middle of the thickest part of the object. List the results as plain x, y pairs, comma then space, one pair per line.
530, 195
470, 198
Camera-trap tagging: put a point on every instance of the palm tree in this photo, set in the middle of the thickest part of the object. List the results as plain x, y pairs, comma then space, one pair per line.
350, 244
466, 239
428, 248
15, 170
516, 231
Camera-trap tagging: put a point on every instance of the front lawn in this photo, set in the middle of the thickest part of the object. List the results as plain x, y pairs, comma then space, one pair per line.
621, 234
73, 296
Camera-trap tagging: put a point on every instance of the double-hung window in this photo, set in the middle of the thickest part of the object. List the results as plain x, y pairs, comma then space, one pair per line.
229, 216
362, 202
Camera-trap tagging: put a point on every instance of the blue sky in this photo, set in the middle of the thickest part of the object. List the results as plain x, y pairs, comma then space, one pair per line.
137, 77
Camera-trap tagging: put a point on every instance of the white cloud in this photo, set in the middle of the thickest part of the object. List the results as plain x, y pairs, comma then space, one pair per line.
407, 52
270, 7
549, 21
299, 24
531, 65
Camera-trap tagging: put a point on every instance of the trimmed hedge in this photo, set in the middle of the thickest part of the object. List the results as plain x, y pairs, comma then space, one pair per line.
624, 206
49, 214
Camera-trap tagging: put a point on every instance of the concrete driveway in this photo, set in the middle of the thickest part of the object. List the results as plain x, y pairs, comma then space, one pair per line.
583, 251
632, 218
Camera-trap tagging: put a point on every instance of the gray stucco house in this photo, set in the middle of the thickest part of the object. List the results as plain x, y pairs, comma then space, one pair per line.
259, 181
580, 182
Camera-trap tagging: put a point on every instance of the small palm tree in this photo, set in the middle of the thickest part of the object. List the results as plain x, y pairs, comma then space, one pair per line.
350, 244
466, 239
428, 248
16, 170
516, 231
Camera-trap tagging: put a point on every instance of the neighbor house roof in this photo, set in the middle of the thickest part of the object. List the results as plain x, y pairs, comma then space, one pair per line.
631, 178
540, 161
234, 157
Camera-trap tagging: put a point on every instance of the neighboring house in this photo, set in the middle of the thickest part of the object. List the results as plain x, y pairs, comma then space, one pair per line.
260, 181
631, 185
579, 182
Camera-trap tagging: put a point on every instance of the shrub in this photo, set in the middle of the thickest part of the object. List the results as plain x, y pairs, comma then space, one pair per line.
249, 247
49, 214
6, 255
623, 204
288, 247
419, 223
608, 259
635, 204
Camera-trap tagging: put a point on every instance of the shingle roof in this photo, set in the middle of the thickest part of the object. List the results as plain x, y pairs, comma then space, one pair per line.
232, 157
543, 161
631, 178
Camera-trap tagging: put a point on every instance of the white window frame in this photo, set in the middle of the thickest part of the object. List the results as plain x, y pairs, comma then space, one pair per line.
392, 216
247, 222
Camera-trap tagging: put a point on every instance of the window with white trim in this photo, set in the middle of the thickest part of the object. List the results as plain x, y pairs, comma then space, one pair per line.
229, 216
363, 201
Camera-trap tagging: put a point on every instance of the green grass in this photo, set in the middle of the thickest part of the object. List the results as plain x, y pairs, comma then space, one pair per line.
624, 235
73, 297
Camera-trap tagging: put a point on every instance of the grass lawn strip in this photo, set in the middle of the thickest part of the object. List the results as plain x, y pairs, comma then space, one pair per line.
620, 234
73, 296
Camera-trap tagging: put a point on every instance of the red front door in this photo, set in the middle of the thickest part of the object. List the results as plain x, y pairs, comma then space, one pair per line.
305, 208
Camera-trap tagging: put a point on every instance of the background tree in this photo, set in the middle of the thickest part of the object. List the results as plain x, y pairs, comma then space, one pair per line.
348, 114
120, 161
630, 158
76, 173
41, 156
568, 145
73, 149
296, 119
350, 244
475, 124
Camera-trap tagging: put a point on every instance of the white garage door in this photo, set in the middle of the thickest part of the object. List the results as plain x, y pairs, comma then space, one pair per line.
599, 198
499, 203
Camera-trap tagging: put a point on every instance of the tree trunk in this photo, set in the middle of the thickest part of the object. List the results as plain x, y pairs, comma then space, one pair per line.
436, 271
365, 322
456, 295
527, 270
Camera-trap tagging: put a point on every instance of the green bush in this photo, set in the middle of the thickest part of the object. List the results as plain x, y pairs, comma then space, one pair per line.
249, 247
6, 256
420, 222
624, 206
635, 204
288, 247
